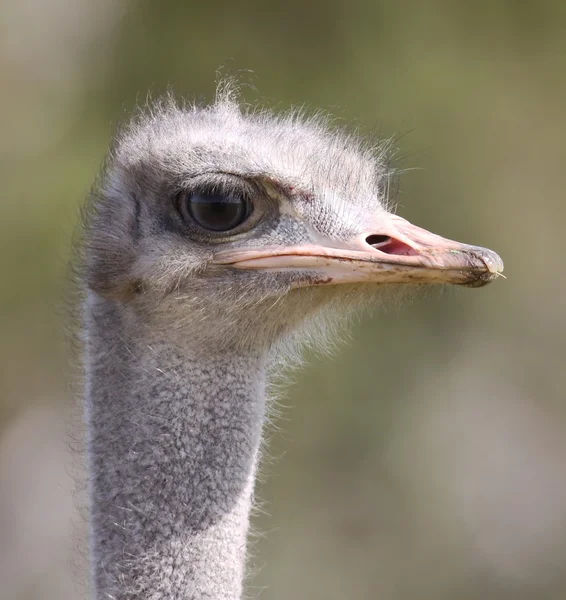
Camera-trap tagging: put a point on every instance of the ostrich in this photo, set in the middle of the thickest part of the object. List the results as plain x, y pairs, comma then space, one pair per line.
217, 239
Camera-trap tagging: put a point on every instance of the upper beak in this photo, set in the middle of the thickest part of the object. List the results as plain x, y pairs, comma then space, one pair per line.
396, 252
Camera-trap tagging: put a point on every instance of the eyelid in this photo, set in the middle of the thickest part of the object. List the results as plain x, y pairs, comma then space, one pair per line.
219, 182
200, 197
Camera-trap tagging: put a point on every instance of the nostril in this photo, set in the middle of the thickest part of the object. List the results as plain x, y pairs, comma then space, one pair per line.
389, 245
374, 240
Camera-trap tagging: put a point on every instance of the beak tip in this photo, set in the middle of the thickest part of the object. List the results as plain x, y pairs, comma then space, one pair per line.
492, 261
492, 270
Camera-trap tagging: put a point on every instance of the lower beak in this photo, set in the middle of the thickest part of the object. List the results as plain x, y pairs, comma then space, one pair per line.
399, 252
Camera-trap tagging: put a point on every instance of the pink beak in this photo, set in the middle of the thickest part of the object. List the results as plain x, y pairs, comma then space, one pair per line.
399, 252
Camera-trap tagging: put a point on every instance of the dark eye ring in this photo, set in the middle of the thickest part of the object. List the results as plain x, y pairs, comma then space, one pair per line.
214, 211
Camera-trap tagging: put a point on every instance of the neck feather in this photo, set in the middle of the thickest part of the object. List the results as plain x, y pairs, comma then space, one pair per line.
173, 443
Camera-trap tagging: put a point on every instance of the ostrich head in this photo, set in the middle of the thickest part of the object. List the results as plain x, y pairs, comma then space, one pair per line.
215, 236
232, 227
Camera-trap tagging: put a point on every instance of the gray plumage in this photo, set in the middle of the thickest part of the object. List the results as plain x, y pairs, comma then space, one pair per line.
179, 334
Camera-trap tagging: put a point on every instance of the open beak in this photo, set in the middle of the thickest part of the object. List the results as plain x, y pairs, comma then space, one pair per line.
398, 252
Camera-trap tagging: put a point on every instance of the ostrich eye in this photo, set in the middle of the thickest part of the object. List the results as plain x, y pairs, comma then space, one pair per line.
215, 212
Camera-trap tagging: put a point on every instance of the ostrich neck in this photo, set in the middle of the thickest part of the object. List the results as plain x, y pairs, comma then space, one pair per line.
173, 442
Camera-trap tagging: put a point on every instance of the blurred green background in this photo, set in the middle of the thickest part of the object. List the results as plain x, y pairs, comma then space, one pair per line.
427, 458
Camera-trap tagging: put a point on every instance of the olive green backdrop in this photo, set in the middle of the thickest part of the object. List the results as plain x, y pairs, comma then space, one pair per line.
426, 459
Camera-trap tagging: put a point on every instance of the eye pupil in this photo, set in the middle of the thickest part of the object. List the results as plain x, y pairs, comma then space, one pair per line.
215, 212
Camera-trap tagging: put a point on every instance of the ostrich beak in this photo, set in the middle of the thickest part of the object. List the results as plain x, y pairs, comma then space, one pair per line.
396, 252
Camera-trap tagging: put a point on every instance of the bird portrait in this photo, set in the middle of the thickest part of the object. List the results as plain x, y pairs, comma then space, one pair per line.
217, 239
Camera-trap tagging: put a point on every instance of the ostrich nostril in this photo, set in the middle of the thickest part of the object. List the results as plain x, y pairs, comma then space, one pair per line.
374, 240
389, 245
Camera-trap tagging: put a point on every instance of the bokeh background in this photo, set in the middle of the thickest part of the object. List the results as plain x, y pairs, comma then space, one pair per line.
427, 458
